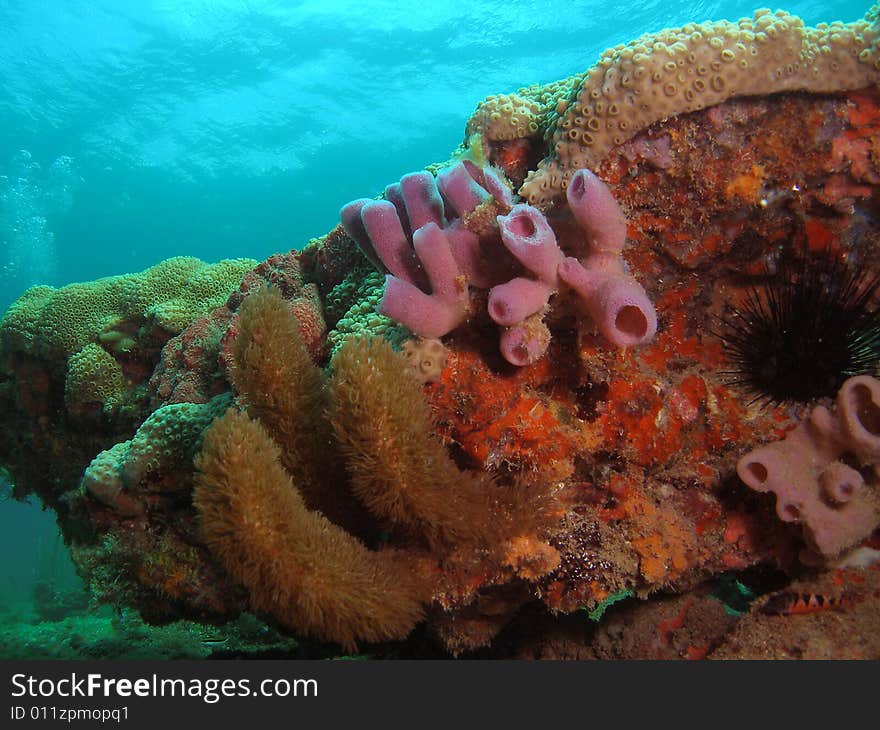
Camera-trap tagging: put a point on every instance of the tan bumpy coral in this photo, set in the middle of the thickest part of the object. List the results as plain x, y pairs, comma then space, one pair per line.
682, 70
503, 117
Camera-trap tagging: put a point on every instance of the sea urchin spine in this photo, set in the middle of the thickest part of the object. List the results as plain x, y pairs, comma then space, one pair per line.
812, 327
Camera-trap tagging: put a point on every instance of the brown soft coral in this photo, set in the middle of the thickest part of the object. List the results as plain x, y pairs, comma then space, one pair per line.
400, 470
273, 373
450, 531
309, 574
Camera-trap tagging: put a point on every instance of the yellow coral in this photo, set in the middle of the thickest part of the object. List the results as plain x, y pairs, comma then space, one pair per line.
93, 378
51, 322
698, 65
506, 116
203, 289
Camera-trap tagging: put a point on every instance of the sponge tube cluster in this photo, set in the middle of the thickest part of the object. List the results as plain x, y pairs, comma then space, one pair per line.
618, 304
809, 474
419, 237
416, 235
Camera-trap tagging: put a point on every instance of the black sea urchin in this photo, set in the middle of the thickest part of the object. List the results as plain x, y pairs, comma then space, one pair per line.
809, 329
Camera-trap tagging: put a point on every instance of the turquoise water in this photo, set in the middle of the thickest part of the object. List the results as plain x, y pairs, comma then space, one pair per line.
237, 128
135, 130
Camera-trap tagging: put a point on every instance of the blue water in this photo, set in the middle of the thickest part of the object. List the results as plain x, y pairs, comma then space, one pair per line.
135, 130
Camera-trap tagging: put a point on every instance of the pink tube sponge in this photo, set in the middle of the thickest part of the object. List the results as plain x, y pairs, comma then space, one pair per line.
460, 190
477, 260
526, 342
350, 215
597, 212
529, 237
386, 231
390, 242
517, 299
617, 303
421, 199
519, 304
428, 315
434, 237
429, 260
807, 471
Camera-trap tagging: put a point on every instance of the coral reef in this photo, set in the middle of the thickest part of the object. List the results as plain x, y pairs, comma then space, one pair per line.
360, 293
75, 362
585, 503
409, 480
847, 629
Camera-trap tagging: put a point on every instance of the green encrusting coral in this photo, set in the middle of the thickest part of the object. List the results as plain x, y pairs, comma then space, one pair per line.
164, 444
94, 377
352, 304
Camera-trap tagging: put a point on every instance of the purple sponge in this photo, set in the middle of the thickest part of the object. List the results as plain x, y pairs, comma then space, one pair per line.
460, 191
597, 212
429, 260
519, 304
421, 237
428, 315
617, 303
812, 482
